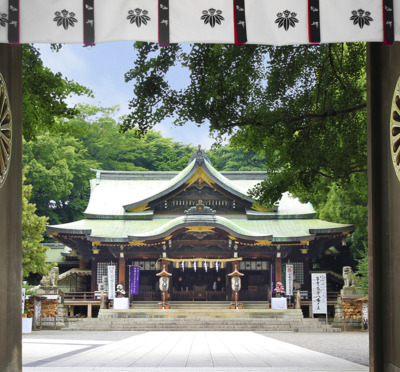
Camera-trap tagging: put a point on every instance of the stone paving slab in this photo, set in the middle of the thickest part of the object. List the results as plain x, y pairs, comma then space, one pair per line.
178, 351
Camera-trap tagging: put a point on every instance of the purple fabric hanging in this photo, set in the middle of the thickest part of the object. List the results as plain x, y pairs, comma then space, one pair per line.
134, 280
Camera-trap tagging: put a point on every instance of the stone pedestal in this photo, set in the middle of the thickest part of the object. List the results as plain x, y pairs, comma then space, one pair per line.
349, 291
121, 303
26, 325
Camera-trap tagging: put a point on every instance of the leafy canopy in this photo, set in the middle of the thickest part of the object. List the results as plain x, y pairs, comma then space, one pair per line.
303, 107
33, 228
44, 94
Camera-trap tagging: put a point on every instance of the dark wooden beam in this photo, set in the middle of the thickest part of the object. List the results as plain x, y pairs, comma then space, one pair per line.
383, 71
10, 220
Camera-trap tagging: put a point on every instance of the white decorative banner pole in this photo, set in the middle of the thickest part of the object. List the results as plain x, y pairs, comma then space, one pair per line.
111, 282
289, 280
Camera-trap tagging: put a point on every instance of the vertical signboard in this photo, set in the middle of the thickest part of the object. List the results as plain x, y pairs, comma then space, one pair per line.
319, 295
111, 282
289, 280
134, 280
23, 300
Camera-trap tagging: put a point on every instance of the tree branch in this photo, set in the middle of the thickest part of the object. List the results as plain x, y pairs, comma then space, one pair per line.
332, 113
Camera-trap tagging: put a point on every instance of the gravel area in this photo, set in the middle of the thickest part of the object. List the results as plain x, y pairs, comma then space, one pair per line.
351, 346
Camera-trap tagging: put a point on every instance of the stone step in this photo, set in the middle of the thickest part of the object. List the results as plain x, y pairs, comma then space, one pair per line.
205, 328
200, 305
201, 324
200, 313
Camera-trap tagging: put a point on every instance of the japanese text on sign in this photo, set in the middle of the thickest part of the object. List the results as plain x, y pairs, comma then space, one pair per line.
134, 280
289, 280
111, 282
319, 295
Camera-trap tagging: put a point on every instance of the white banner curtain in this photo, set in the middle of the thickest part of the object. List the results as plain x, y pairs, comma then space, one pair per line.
351, 21
274, 22
4, 10
193, 21
126, 20
284, 22
51, 21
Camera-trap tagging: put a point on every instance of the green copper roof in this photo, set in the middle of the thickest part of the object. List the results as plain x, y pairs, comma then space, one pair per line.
222, 180
177, 181
119, 230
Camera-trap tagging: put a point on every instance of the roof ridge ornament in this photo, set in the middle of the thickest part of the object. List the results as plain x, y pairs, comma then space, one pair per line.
200, 208
199, 155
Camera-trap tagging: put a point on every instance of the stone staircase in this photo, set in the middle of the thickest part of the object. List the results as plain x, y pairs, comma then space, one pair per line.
207, 316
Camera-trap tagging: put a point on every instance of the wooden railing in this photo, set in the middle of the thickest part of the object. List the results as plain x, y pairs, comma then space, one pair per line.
80, 296
198, 296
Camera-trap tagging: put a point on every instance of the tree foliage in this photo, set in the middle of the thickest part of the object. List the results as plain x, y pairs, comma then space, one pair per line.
33, 228
44, 94
227, 158
113, 150
349, 205
303, 107
58, 168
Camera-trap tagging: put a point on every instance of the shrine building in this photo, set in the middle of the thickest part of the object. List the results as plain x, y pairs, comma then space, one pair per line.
199, 223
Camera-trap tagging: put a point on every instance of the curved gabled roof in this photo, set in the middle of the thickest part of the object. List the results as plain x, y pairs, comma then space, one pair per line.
252, 230
199, 167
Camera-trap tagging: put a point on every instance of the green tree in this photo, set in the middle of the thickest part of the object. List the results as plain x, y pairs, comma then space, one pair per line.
303, 107
44, 94
349, 205
227, 158
59, 172
33, 228
362, 271
99, 132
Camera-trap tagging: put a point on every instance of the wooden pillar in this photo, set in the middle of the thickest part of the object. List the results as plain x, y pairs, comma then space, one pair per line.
11, 219
94, 275
383, 71
89, 310
278, 268
121, 272
81, 262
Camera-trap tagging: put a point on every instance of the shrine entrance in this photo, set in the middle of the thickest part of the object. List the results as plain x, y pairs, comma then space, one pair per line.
383, 71
199, 285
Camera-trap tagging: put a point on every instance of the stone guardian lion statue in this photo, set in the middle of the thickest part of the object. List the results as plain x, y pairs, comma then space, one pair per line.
51, 279
348, 276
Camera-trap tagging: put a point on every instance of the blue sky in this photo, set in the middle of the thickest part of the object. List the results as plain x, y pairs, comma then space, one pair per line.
102, 68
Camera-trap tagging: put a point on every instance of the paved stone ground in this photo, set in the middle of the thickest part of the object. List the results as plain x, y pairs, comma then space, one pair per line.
191, 351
